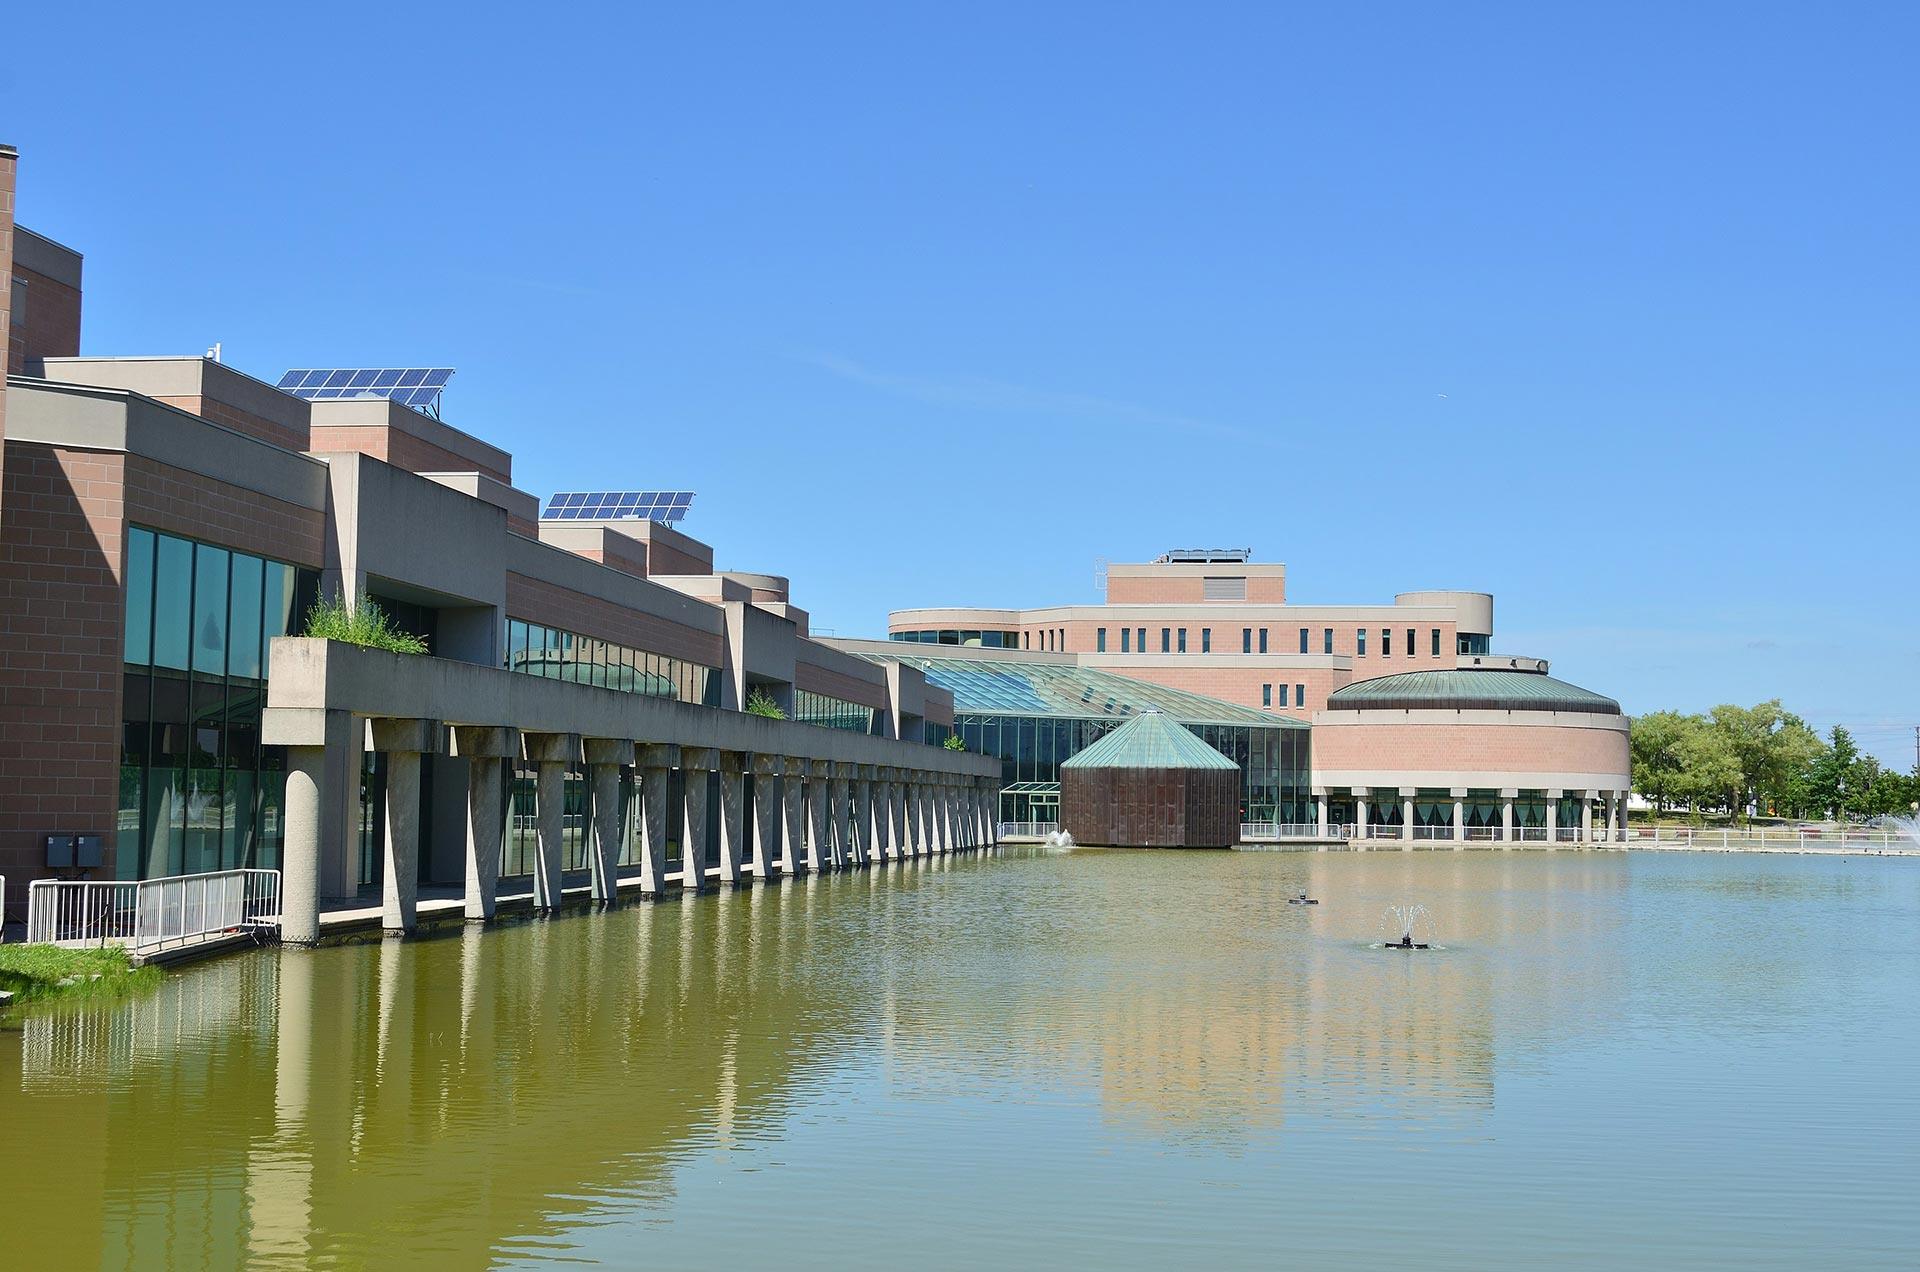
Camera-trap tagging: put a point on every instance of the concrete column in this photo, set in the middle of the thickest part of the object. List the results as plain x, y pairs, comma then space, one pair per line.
486, 751
695, 764
990, 812
902, 831
654, 761
323, 757
866, 814
793, 815
768, 858
816, 815
885, 846
1406, 813
1506, 815
846, 843
403, 741
919, 831
1321, 826
1620, 822
605, 758
947, 826
1459, 815
733, 828
1586, 816
1609, 807
1553, 815
551, 755
1359, 814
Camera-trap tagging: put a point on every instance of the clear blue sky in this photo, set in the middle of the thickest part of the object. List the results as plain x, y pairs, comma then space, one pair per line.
1609, 309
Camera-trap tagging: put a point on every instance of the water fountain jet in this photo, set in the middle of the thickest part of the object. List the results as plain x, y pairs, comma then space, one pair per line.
1403, 918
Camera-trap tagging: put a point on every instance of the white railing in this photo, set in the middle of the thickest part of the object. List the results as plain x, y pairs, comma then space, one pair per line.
151, 914
1027, 830
1269, 832
1838, 838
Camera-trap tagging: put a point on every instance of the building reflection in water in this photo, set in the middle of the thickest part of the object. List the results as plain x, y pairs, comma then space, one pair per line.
481, 1094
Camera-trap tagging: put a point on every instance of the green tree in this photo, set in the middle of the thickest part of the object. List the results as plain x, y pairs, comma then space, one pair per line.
1831, 776
1709, 769
1656, 741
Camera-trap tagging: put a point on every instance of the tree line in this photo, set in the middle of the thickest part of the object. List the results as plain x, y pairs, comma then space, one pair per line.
1763, 759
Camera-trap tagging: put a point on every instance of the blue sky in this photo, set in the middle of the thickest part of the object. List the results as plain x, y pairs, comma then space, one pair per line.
1608, 310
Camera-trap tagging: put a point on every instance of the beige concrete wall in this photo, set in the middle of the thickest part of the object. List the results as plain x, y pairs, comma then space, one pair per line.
1471, 748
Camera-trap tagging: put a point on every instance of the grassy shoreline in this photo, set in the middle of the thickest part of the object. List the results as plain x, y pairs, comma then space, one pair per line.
43, 973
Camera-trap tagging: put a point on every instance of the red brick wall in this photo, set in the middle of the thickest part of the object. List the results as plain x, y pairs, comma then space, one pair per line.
61, 550
1371, 741
197, 507
840, 685
247, 422
662, 559
52, 328
538, 601
402, 450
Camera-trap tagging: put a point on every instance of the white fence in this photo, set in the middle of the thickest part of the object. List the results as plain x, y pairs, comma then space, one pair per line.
1842, 839
1027, 830
151, 914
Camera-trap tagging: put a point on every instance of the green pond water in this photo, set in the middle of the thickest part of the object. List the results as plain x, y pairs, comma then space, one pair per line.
1106, 1060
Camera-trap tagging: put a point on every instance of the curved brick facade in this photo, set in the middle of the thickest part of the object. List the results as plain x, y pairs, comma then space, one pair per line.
1470, 748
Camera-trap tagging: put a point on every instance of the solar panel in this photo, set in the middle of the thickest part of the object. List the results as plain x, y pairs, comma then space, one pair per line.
417, 387
666, 506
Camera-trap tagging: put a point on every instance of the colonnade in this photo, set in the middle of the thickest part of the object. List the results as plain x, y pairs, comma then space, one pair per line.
802, 815
1613, 816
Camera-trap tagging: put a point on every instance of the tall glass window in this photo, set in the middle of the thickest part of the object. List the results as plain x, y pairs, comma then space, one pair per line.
1386, 642
1299, 695
1303, 640
1140, 639
832, 713
1099, 640
1183, 640
1263, 640
1327, 637
1246, 640
1283, 696
198, 790
1166, 640
1410, 645
1126, 640
1359, 642
1266, 695
1436, 642
1206, 640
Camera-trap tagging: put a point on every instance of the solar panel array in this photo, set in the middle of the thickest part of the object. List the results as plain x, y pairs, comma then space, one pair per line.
417, 387
619, 505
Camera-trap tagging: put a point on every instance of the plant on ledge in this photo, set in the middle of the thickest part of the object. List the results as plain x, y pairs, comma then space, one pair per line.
955, 742
761, 703
365, 624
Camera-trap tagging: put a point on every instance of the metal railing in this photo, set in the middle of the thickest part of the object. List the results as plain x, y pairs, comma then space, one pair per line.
1837, 838
1027, 830
151, 914
1269, 832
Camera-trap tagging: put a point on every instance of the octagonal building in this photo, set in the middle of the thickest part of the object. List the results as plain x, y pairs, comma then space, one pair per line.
1151, 784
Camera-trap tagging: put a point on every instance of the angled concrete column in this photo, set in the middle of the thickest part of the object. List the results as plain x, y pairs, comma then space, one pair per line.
845, 842
655, 760
605, 758
1406, 813
989, 796
1553, 815
916, 805
886, 847
1459, 813
551, 755
945, 828
733, 829
769, 856
816, 816
872, 809
898, 846
1506, 814
404, 742
695, 764
486, 751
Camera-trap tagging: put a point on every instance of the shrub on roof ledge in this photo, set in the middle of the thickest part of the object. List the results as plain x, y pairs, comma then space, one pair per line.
761, 703
365, 624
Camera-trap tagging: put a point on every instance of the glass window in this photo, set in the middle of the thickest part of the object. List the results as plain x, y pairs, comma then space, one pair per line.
1303, 640
1183, 640
1283, 695
1246, 640
243, 620
1436, 642
1263, 640
1299, 695
1327, 638
1166, 637
139, 629
1206, 640
1140, 639
1126, 640
1386, 642
1100, 640
210, 610
1266, 695
1359, 642
172, 602
1410, 644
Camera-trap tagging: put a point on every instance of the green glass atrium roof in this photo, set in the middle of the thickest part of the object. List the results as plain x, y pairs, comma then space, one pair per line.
1470, 689
1150, 740
994, 686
